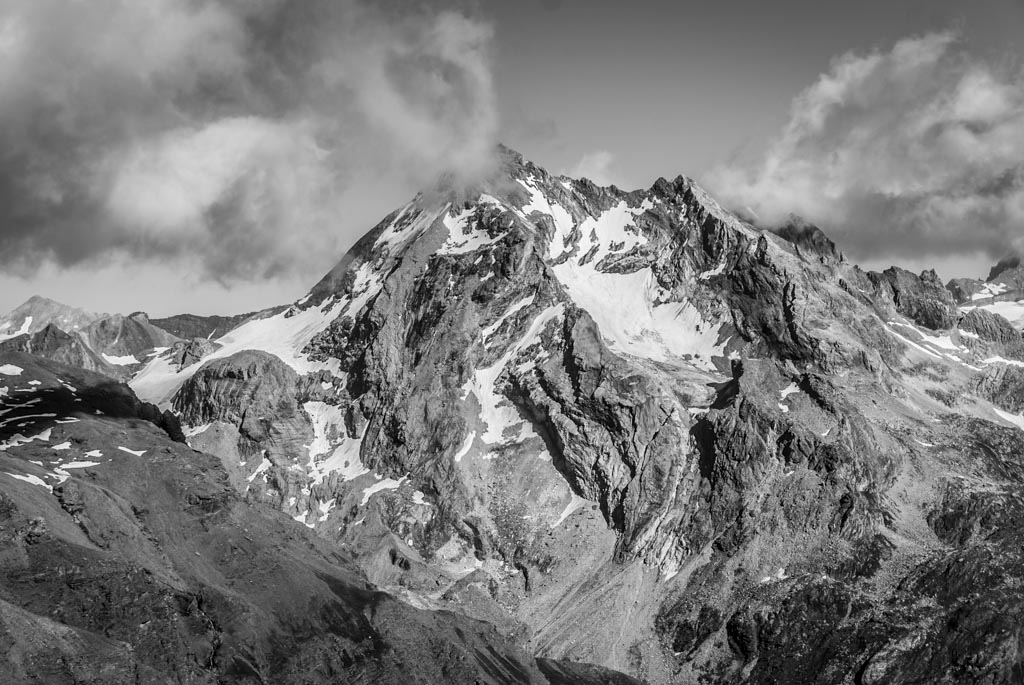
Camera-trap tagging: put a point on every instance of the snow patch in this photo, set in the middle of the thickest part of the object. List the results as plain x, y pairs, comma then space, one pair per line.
63, 446
1016, 419
25, 326
18, 439
990, 290
344, 460
34, 480
324, 417
629, 308
633, 321
325, 509
1000, 360
490, 330
264, 465
562, 219
384, 484
461, 242
575, 504
10, 370
124, 360
496, 413
284, 335
137, 453
466, 446
80, 464
193, 431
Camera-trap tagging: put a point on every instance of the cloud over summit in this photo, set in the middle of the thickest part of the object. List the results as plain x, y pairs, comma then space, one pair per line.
912, 151
234, 133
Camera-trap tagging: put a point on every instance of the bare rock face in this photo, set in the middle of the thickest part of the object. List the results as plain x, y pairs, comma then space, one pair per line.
191, 326
1009, 267
53, 343
922, 299
127, 337
185, 353
991, 327
808, 238
252, 390
1003, 385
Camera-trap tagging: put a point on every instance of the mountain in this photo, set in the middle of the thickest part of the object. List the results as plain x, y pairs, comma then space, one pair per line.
114, 345
617, 428
1002, 293
54, 344
127, 340
37, 313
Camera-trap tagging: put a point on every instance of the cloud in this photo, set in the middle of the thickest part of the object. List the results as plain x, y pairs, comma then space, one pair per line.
232, 132
597, 166
915, 151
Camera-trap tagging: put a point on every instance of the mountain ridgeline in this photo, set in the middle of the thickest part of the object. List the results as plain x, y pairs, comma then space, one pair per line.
593, 435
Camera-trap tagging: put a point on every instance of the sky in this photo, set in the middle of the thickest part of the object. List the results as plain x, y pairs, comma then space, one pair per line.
218, 156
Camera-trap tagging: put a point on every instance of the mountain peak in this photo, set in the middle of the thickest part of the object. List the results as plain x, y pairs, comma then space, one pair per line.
1005, 264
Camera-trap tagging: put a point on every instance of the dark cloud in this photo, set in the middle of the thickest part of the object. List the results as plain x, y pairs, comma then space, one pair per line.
231, 131
909, 152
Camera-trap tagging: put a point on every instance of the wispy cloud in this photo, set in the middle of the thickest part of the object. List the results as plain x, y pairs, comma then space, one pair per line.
908, 152
228, 131
596, 166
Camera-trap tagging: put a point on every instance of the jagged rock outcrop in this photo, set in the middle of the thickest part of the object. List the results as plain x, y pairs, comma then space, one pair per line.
809, 239
192, 326
990, 327
253, 391
1008, 266
1003, 386
185, 353
962, 289
53, 343
127, 338
922, 299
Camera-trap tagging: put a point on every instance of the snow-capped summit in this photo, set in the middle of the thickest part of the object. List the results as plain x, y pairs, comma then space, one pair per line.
38, 312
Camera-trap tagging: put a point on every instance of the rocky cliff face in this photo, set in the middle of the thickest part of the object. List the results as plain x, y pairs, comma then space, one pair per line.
53, 343
127, 340
631, 429
190, 326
